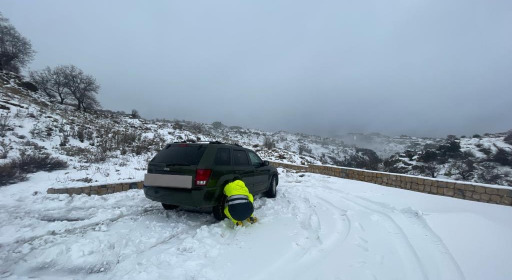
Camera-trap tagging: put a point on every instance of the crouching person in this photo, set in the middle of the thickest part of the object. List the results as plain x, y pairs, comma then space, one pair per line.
239, 201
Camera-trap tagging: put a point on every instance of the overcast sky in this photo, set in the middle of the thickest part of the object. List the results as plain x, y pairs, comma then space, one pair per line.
417, 67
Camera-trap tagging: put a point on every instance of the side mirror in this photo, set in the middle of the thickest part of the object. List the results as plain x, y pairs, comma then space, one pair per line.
266, 163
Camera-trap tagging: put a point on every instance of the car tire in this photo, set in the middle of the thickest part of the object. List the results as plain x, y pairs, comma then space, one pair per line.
272, 188
169, 206
218, 210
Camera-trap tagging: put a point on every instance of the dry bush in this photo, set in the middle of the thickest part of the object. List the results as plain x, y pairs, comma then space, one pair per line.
10, 175
95, 156
5, 148
269, 143
34, 162
304, 149
75, 151
5, 125
17, 169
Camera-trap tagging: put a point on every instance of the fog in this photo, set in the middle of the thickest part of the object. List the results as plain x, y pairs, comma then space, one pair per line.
423, 68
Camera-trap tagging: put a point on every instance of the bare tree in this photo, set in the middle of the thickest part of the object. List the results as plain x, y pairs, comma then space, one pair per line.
68, 81
51, 82
81, 86
42, 79
15, 50
91, 103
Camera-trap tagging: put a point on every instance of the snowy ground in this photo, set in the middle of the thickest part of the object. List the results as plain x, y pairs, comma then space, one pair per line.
318, 227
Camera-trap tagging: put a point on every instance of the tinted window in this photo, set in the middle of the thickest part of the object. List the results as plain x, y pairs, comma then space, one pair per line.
180, 154
255, 159
240, 158
223, 157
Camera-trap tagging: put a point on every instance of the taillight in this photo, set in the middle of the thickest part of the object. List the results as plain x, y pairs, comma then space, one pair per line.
202, 176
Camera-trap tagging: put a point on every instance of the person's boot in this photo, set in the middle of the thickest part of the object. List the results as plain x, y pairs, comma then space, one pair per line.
252, 220
239, 224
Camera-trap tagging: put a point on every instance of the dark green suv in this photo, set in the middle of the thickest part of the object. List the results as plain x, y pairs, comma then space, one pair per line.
194, 175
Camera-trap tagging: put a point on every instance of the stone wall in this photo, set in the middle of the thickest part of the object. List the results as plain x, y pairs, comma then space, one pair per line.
98, 190
462, 190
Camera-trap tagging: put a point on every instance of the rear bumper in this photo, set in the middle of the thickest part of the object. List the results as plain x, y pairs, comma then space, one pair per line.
197, 198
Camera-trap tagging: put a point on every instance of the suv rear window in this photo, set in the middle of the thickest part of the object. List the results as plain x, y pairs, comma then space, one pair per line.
240, 158
180, 154
223, 156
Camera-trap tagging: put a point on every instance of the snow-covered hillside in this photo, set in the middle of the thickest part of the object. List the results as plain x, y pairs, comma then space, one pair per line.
105, 146
318, 227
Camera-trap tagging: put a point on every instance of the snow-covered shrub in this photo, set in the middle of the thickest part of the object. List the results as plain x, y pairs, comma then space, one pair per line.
5, 148
410, 154
64, 140
35, 161
395, 165
363, 159
468, 154
5, 125
196, 128
33, 145
269, 143
485, 150
503, 157
75, 152
508, 138
464, 169
450, 149
177, 126
217, 125
80, 134
29, 86
430, 169
287, 147
304, 149
428, 156
135, 114
488, 174
17, 169
95, 156
19, 136
9, 174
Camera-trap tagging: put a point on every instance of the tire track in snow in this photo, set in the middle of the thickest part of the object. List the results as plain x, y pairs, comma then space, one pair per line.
339, 233
15, 253
327, 233
429, 252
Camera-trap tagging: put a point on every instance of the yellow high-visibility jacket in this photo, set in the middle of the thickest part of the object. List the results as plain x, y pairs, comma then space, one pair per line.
236, 188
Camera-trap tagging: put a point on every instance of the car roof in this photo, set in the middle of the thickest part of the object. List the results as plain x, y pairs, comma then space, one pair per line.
210, 143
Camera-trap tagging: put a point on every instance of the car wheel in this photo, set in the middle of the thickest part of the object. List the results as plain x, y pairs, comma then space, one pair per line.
272, 188
218, 211
169, 206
